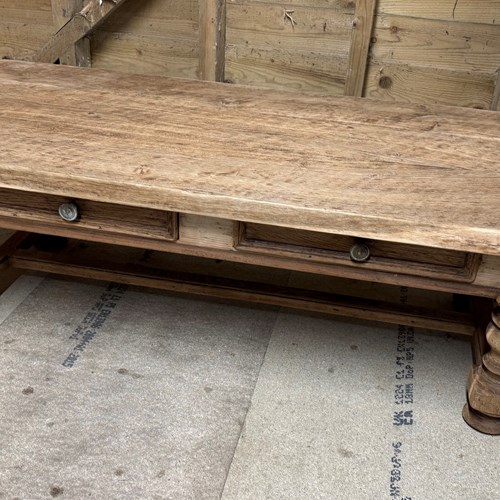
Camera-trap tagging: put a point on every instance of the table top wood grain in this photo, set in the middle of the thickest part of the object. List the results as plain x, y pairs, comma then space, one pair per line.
426, 175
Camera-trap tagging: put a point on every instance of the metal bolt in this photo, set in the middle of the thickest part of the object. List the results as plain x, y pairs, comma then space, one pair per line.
68, 211
360, 252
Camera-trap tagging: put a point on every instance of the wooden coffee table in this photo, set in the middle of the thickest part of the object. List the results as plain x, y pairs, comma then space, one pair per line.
399, 194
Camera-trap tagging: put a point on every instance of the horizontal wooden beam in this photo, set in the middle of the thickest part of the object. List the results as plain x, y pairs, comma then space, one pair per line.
76, 28
127, 266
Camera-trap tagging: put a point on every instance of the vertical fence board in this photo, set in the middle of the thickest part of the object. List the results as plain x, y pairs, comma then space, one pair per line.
212, 39
360, 45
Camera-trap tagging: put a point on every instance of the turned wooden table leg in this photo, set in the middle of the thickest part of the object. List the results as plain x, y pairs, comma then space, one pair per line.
482, 410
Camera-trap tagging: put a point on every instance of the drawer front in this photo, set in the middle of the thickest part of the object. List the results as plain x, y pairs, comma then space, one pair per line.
85, 219
325, 248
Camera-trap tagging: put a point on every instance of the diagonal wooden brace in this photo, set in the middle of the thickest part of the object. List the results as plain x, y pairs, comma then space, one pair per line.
94, 12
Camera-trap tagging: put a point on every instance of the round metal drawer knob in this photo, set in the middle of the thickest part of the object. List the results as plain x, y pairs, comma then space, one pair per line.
360, 252
68, 211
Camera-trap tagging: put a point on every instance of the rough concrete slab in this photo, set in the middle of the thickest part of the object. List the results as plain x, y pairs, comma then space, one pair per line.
114, 393
309, 433
346, 410
150, 405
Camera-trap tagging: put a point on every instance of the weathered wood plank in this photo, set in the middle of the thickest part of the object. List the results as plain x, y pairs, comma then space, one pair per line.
79, 53
140, 54
344, 5
397, 173
157, 37
36, 5
273, 68
76, 28
426, 60
299, 47
19, 40
206, 232
438, 44
423, 85
360, 44
26, 11
324, 30
478, 11
156, 18
212, 39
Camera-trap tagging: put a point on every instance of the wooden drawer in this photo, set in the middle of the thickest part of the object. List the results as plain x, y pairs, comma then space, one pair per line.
105, 222
325, 248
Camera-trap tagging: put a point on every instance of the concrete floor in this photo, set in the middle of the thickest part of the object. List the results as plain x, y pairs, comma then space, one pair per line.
115, 393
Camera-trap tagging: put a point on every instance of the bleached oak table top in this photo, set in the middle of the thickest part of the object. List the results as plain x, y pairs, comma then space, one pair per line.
426, 175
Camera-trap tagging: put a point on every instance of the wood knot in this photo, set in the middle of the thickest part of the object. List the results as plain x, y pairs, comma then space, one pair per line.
385, 82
